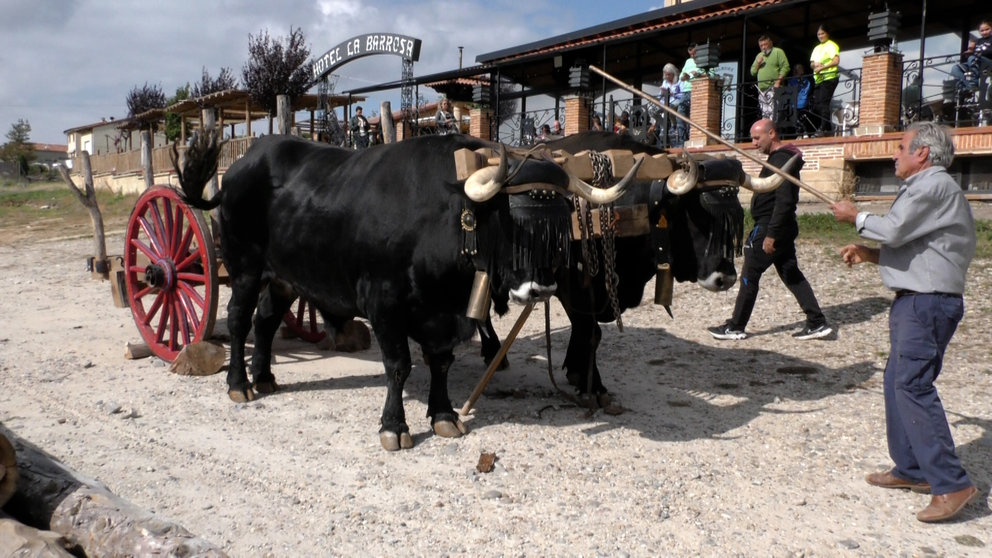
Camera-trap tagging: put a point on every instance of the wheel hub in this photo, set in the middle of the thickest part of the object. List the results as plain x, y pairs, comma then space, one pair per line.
160, 274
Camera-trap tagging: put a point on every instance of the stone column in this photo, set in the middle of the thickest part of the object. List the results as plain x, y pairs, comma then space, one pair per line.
881, 93
707, 104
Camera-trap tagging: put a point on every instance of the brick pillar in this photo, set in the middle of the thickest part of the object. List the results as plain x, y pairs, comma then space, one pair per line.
707, 102
480, 123
576, 115
881, 93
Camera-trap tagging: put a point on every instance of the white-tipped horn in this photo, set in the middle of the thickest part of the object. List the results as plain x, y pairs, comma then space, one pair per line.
682, 180
602, 196
762, 185
485, 182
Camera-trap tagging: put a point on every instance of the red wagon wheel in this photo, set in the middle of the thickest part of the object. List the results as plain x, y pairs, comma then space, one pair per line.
301, 319
171, 272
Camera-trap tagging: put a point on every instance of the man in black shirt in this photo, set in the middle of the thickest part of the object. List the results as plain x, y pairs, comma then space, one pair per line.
772, 242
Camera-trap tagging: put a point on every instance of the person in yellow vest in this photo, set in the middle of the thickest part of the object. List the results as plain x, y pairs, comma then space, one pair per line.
824, 61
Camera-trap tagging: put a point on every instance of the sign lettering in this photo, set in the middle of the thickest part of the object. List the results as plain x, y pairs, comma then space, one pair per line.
365, 45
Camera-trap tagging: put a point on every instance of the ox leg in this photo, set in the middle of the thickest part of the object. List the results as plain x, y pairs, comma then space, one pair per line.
490, 343
244, 297
580, 365
273, 303
444, 420
394, 433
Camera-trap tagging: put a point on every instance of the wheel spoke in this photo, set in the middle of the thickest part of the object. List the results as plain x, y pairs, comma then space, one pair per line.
159, 236
156, 248
190, 315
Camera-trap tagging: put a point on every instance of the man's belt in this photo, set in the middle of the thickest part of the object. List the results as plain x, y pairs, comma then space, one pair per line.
906, 292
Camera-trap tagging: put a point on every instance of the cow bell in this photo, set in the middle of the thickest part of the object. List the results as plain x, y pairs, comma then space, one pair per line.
663, 284
478, 301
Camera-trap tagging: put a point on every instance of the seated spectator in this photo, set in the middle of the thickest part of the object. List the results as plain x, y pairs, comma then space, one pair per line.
979, 54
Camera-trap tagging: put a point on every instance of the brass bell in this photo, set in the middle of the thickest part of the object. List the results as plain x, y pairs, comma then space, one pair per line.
478, 300
663, 284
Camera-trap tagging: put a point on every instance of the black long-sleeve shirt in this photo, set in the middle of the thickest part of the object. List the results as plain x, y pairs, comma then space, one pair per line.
776, 210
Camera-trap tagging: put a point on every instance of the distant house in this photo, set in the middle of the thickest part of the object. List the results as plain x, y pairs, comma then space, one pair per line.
49, 154
104, 138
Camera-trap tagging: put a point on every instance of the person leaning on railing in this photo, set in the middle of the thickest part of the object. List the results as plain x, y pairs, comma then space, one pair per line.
824, 61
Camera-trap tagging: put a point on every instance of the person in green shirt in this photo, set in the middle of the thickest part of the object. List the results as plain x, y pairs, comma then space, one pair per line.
824, 61
770, 67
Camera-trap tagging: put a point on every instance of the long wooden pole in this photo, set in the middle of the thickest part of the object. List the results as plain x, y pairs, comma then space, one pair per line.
496, 360
711, 135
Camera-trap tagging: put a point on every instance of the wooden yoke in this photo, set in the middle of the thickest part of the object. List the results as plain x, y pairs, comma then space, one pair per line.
657, 167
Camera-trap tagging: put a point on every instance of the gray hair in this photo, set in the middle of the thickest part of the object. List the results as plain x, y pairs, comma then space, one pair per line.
937, 138
670, 68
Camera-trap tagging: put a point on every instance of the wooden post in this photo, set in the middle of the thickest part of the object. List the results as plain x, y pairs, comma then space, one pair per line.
146, 158
87, 197
284, 114
386, 123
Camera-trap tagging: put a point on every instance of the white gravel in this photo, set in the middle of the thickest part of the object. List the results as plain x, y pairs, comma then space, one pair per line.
727, 448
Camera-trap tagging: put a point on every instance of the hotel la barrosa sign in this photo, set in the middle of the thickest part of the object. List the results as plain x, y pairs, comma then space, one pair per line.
365, 45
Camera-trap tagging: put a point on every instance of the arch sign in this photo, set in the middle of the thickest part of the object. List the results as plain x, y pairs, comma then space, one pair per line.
364, 45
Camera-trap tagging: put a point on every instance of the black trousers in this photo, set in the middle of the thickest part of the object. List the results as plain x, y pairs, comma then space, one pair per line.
823, 93
756, 262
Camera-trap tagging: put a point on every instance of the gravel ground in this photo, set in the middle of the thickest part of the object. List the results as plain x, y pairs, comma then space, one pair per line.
726, 448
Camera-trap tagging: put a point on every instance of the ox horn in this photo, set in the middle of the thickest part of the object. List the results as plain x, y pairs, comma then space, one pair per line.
603, 196
484, 183
682, 180
769, 183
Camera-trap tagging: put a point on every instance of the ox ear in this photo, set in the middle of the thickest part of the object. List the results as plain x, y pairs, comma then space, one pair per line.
769, 183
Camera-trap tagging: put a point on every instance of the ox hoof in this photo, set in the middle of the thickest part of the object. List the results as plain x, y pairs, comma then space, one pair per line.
241, 395
266, 387
449, 429
392, 442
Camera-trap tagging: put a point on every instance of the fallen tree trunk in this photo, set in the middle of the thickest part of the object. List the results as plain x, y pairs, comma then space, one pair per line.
18, 539
84, 511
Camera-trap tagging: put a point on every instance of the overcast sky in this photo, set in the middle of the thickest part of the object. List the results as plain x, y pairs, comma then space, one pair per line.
68, 63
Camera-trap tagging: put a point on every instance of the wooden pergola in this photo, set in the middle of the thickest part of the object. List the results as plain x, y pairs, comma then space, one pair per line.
234, 106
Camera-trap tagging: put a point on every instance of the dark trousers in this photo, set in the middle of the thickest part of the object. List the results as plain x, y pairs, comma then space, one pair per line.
920, 443
756, 262
823, 93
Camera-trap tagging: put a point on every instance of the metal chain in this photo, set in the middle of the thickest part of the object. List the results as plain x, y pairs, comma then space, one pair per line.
602, 170
611, 278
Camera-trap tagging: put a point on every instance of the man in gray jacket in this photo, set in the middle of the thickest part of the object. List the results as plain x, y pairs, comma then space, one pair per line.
927, 242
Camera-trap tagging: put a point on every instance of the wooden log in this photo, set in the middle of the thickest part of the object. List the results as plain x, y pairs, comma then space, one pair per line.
18, 539
134, 350
89, 515
8, 470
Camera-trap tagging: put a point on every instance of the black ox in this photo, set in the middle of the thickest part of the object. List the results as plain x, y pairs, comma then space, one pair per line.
390, 234
696, 227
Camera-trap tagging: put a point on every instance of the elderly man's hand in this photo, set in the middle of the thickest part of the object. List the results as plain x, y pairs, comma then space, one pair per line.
845, 211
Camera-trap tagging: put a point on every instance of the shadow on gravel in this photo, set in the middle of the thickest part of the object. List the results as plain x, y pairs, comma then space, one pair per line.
672, 389
838, 315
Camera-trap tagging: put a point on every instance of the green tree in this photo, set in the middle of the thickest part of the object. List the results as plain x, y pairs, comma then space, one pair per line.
173, 122
19, 150
274, 69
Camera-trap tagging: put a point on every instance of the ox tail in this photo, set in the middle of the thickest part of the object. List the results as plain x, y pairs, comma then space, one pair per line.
199, 165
